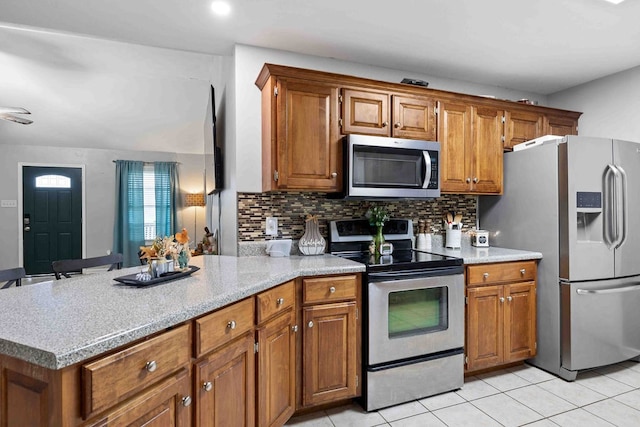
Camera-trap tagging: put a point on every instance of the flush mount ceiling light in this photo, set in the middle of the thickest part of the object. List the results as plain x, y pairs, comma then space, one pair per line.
221, 8
614, 1
7, 113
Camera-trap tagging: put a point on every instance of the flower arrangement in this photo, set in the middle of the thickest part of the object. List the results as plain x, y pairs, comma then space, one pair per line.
175, 247
377, 215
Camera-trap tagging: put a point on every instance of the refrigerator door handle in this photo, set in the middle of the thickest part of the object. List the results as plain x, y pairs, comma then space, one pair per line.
623, 208
610, 226
630, 288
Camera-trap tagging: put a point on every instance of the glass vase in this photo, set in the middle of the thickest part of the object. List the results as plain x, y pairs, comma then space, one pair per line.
378, 240
311, 242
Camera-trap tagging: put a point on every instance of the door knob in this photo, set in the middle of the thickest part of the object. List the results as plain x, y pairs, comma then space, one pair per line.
27, 228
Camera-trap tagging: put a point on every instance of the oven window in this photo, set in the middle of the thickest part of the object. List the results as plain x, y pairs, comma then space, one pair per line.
417, 311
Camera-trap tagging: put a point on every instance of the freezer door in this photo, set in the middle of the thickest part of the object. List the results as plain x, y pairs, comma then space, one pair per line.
587, 252
600, 322
626, 157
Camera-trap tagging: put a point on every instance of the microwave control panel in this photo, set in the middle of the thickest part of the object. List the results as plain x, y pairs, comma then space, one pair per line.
434, 177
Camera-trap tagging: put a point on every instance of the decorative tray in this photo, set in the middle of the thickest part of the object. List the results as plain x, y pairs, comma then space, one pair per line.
131, 280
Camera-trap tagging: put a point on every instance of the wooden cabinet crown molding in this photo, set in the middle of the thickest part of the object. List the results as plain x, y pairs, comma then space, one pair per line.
347, 81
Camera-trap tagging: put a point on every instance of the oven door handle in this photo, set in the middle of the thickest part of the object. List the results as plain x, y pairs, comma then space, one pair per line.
413, 274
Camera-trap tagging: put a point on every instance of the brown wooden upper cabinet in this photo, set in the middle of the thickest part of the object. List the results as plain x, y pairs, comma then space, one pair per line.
521, 126
301, 145
387, 114
470, 147
560, 125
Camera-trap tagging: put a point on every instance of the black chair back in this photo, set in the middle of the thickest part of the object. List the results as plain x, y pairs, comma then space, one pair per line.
66, 266
11, 276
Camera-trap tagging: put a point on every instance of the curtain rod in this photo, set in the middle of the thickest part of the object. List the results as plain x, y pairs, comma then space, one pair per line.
147, 163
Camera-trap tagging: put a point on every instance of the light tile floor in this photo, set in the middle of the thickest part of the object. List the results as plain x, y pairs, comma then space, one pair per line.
512, 397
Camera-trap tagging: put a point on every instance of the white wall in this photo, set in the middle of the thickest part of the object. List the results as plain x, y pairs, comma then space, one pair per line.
100, 191
610, 105
248, 63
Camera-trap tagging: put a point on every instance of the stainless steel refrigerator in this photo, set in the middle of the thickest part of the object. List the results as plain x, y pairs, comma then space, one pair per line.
577, 201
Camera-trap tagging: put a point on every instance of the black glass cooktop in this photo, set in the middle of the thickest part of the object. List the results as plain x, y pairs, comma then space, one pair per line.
407, 259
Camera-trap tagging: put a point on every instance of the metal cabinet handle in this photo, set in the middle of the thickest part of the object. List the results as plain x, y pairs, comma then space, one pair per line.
280, 301
509, 298
475, 179
186, 401
311, 323
207, 386
231, 324
397, 125
294, 328
151, 366
468, 180
334, 174
385, 124
523, 271
485, 275
332, 289
501, 299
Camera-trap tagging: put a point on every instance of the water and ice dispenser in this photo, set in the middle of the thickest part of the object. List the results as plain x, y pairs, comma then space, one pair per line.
589, 216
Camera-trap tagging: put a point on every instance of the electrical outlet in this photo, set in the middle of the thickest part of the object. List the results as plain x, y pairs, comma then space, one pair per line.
272, 226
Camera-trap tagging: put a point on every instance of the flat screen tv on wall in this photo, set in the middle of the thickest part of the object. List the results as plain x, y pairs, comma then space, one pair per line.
214, 180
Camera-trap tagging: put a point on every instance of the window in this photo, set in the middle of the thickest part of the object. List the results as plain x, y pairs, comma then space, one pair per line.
148, 188
53, 181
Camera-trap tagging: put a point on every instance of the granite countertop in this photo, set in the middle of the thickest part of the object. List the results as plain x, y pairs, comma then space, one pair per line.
474, 255
59, 323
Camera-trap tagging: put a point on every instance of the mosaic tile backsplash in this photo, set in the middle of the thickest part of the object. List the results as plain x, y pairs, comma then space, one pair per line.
292, 208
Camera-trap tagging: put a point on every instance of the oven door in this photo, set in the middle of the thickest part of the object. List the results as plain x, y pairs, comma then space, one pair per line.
414, 317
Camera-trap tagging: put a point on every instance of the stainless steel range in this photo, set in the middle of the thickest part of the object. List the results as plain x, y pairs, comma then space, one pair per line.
413, 323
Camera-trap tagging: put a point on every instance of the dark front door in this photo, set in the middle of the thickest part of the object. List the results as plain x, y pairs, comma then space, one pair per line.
52, 216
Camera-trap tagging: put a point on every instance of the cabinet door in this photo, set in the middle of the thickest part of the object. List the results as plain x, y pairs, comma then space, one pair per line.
454, 134
365, 112
557, 125
485, 339
329, 353
414, 118
225, 386
277, 370
522, 126
486, 158
165, 404
520, 321
309, 152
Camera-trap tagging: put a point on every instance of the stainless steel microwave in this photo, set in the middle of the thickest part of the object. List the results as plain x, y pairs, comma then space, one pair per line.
382, 167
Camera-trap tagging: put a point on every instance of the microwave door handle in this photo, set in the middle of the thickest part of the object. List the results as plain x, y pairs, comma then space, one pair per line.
427, 169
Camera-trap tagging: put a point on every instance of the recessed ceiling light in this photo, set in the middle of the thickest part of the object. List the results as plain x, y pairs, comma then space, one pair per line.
220, 7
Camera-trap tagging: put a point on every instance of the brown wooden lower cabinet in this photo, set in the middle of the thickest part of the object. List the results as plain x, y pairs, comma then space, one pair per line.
329, 353
225, 386
276, 370
501, 318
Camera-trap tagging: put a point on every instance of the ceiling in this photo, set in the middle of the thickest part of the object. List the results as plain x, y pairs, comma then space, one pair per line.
540, 46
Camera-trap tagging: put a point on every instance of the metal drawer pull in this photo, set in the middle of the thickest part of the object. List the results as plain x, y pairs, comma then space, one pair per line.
151, 366
509, 298
294, 328
280, 301
186, 401
332, 289
501, 299
231, 324
207, 386
311, 324
523, 271
485, 275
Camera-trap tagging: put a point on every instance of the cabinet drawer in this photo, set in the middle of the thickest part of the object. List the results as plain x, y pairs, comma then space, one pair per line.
223, 325
114, 378
322, 289
275, 300
501, 272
